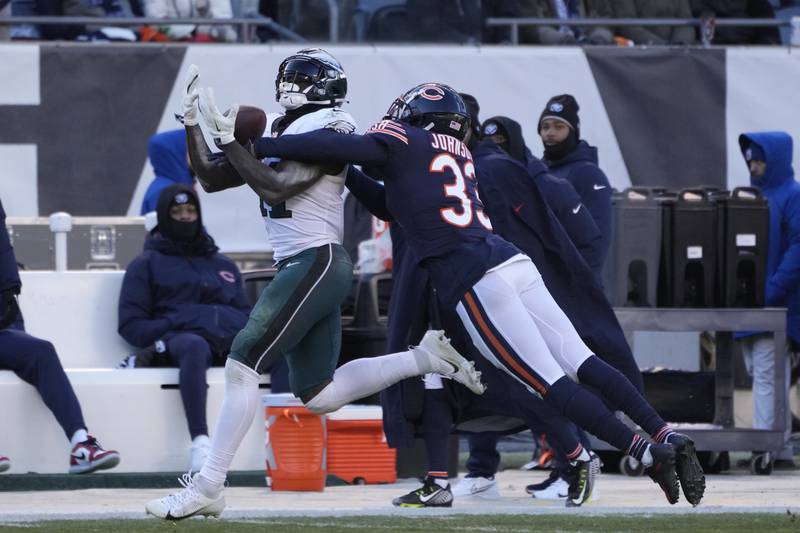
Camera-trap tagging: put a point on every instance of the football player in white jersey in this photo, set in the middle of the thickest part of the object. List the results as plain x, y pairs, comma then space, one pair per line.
297, 316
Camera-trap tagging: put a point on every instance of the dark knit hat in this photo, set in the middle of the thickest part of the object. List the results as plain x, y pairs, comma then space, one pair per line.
565, 108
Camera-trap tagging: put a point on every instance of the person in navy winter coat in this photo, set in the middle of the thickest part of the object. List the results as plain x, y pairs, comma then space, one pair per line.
167, 154
570, 158
183, 302
769, 158
35, 361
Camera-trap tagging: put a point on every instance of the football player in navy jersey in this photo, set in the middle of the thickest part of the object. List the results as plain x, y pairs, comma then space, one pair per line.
419, 153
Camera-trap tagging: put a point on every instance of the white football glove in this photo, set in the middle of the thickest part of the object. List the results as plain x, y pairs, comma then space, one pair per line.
188, 114
220, 125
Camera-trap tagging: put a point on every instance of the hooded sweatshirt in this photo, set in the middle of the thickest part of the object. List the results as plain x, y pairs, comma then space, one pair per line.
561, 197
783, 196
176, 287
167, 153
580, 169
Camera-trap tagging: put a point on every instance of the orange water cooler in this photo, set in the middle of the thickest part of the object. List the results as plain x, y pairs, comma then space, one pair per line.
296, 445
357, 448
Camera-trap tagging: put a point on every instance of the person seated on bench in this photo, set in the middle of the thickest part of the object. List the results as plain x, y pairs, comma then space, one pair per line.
36, 362
182, 303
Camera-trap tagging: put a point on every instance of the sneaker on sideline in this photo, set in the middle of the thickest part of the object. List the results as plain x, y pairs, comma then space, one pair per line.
556, 490
88, 456
430, 494
476, 486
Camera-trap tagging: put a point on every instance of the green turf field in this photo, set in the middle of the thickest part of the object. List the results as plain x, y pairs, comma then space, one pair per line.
457, 523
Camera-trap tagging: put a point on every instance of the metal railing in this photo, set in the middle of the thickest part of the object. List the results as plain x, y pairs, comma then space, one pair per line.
246, 26
515, 23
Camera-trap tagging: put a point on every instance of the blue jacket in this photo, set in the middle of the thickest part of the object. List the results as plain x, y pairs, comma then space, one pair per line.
10, 283
167, 153
9, 275
783, 196
520, 215
579, 167
168, 289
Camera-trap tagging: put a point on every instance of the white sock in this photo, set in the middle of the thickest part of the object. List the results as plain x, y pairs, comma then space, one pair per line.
583, 456
442, 482
200, 440
235, 418
365, 376
647, 457
79, 436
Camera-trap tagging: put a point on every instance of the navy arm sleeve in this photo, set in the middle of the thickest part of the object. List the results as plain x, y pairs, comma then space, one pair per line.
369, 192
137, 325
325, 146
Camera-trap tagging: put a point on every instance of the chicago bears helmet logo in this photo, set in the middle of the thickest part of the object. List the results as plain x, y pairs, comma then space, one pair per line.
431, 92
227, 276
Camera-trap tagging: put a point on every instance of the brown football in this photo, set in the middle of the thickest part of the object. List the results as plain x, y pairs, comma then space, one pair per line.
250, 124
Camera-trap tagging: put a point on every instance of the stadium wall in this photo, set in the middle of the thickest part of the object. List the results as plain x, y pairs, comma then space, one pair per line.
75, 119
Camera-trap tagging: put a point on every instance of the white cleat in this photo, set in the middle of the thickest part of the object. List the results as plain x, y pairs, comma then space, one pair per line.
477, 486
185, 503
458, 368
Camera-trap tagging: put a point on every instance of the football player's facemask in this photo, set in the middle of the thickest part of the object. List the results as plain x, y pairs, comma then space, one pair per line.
434, 107
310, 77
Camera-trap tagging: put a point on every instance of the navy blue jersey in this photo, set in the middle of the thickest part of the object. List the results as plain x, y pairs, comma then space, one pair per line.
430, 191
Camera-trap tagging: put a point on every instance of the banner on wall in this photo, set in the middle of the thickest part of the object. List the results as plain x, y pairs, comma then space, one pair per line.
76, 119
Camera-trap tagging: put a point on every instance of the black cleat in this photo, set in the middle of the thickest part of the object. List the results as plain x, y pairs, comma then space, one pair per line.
430, 494
552, 478
687, 466
580, 476
662, 471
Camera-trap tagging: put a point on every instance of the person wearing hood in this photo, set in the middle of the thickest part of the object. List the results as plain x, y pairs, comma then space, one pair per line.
183, 302
560, 195
768, 156
35, 361
168, 156
569, 157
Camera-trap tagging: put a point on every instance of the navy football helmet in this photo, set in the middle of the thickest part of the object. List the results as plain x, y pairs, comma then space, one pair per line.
434, 107
311, 76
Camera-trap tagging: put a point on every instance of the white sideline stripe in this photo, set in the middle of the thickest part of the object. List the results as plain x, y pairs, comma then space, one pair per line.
327, 267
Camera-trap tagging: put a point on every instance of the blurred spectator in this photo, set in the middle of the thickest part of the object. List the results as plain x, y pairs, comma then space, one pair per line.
182, 303
24, 8
35, 361
566, 10
168, 155
5, 11
499, 8
654, 9
740, 9
769, 158
85, 8
169, 9
447, 21
311, 18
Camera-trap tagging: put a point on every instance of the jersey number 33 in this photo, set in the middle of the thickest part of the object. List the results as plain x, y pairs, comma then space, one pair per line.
462, 215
